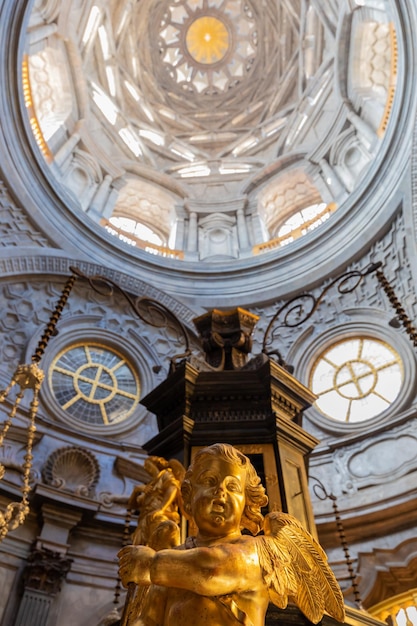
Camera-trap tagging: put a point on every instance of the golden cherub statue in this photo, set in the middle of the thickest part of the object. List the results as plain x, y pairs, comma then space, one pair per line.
221, 577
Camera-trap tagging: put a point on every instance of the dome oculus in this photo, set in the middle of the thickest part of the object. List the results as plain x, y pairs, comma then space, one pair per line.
207, 40
207, 49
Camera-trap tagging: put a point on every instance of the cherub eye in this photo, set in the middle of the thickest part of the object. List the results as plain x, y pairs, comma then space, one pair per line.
208, 480
235, 487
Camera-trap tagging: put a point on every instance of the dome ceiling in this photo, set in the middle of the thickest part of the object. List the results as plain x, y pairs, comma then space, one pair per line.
224, 127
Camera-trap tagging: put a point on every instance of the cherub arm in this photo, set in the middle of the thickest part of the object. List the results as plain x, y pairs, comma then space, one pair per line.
216, 570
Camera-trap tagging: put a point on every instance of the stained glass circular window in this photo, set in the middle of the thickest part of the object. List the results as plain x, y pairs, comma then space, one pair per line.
356, 379
94, 384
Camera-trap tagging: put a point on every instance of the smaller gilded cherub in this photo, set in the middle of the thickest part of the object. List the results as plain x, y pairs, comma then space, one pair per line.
221, 577
159, 503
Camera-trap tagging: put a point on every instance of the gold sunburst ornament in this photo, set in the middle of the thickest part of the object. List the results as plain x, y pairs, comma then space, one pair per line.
207, 40
28, 376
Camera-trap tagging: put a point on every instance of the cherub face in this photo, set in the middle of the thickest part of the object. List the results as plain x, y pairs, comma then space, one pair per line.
218, 498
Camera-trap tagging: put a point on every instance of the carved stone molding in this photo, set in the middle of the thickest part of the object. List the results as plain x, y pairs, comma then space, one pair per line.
378, 461
45, 571
59, 264
15, 227
72, 469
386, 573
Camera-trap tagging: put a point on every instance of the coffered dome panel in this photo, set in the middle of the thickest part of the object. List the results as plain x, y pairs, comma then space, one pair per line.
173, 112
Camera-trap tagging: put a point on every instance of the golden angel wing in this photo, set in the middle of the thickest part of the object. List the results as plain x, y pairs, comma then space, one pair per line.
295, 568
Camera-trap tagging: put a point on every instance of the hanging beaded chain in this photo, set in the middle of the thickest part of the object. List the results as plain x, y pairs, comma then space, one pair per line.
401, 314
321, 493
125, 542
28, 377
343, 541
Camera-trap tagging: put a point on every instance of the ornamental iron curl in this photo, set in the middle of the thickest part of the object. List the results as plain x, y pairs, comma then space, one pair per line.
300, 308
148, 310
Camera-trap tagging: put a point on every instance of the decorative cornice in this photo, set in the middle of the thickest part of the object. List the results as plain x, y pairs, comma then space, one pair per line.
58, 263
386, 573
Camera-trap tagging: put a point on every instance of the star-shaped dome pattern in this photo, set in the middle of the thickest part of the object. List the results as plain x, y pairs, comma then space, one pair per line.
211, 108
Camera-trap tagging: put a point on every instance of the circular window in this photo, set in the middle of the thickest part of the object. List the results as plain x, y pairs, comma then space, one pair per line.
356, 379
94, 384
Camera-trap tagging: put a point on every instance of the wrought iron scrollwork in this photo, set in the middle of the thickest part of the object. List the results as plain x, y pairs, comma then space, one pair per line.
148, 310
300, 308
